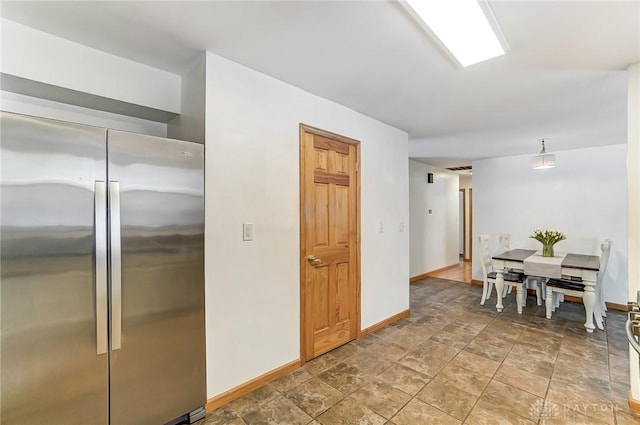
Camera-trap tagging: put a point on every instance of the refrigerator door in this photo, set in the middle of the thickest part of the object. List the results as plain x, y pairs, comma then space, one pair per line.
156, 195
53, 349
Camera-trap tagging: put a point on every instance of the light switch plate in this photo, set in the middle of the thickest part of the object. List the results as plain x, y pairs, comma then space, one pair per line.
247, 231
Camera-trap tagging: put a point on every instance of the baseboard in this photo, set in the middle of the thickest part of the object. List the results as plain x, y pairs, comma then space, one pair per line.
634, 405
237, 392
428, 274
385, 322
419, 277
618, 307
610, 306
477, 282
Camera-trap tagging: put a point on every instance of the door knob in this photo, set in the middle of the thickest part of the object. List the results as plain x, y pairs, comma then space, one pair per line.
313, 260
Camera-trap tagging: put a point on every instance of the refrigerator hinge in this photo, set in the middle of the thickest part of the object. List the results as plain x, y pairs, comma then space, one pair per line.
197, 414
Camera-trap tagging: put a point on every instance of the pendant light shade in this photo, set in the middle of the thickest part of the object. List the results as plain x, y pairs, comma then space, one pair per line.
543, 159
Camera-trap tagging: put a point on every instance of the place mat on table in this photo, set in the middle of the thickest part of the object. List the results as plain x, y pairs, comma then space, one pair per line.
537, 265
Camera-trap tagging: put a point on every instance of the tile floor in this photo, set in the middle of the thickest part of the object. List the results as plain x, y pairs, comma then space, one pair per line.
454, 361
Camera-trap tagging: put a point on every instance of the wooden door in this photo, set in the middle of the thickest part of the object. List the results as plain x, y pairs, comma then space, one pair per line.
329, 242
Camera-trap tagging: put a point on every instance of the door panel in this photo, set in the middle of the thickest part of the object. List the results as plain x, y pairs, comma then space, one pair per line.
162, 273
329, 236
50, 369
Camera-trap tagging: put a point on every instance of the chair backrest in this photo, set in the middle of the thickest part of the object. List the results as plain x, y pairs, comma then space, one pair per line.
485, 258
505, 242
605, 247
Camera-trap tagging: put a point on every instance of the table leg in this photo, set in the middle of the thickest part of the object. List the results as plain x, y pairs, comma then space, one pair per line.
499, 288
589, 301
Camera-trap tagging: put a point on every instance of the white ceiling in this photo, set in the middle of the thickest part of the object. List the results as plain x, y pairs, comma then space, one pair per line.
564, 78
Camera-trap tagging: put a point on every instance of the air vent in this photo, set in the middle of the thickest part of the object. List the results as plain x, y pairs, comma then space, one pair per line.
466, 167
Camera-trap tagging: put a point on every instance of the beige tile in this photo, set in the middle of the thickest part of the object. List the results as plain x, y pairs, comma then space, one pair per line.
465, 326
418, 412
223, 416
278, 411
536, 367
314, 396
405, 379
387, 350
511, 398
448, 398
406, 340
565, 415
476, 363
349, 412
346, 350
565, 367
254, 399
488, 350
382, 398
424, 362
627, 418
580, 385
451, 339
321, 363
487, 413
587, 400
464, 379
368, 362
345, 378
522, 379
539, 353
291, 380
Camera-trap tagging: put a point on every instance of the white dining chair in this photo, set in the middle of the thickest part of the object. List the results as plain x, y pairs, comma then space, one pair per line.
489, 275
533, 282
560, 287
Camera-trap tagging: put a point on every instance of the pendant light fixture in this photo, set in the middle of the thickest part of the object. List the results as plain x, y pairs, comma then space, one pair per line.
543, 159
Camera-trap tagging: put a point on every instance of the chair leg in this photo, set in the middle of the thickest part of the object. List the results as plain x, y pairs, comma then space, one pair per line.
549, 302
486, 291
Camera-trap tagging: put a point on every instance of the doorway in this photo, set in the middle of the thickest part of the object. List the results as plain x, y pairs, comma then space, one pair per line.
329, 241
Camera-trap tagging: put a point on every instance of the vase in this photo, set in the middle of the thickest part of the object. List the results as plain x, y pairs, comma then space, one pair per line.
547, 250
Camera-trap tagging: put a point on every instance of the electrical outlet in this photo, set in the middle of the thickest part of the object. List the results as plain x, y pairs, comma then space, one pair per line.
401, 229
247, 231
381, 227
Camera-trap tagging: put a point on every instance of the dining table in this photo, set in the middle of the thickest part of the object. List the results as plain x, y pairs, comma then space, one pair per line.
574, 267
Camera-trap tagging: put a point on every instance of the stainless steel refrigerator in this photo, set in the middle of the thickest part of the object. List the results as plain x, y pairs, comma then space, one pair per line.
102, 275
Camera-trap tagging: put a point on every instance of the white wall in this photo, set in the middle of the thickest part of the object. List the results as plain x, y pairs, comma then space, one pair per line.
584, 196
44, 58
434, 236
633, 179
252, 163
190, 124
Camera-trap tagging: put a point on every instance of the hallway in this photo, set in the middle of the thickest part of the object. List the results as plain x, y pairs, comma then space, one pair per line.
459, 273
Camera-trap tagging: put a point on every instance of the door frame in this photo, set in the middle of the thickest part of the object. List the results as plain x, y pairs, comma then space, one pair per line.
463, 192
307, 129
470, 226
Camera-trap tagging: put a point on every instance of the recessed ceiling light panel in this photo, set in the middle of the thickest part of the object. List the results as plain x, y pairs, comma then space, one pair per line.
462, 27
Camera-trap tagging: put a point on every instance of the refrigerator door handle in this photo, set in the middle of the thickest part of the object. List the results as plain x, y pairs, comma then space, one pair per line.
100, 217
116, 267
